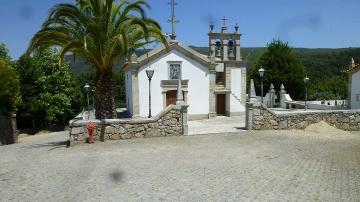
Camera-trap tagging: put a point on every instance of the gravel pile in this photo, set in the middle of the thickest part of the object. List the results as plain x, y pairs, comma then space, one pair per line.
324, 129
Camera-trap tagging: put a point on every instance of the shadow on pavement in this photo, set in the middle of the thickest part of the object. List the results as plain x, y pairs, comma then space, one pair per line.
54, 145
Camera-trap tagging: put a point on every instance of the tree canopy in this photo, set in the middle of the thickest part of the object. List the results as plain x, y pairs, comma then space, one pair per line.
281, 66
101, 32
9, 83
49, 92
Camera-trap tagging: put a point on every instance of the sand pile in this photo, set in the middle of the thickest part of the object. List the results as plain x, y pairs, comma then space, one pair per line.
325, 129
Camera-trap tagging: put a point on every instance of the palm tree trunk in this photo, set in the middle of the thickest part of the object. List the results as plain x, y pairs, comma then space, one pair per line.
104, 98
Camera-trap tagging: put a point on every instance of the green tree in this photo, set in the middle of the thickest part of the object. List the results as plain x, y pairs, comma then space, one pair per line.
9, 89
50, 94
282, 66
4, 54
332, 88
101, 32
9, 83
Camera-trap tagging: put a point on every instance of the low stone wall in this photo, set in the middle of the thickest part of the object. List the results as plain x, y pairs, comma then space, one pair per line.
8, 130
170, 122
261, 118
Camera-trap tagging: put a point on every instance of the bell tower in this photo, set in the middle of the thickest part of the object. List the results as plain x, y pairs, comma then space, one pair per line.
225, 45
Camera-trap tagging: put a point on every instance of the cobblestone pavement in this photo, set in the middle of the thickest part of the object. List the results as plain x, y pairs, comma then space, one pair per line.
248, 166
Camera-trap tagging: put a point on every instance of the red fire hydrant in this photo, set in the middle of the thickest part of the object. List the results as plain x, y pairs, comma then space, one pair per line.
91, 128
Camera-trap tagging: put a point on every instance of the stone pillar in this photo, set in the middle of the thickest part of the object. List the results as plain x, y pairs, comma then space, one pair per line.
227, 77
282, 96
249, 115
135, 92
179, 95
252, 92
8, 132
184, 112
225, 50
14, 129
250, 106
271, 96
212, 100
212, 48
164, 99
243, 85
237, 49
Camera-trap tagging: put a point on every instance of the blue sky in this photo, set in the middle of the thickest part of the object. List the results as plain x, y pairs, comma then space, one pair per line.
303, 23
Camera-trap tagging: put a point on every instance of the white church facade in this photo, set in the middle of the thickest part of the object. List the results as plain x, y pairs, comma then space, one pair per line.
213, 84
353, 86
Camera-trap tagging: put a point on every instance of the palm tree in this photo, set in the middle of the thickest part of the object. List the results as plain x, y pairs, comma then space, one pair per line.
102, 32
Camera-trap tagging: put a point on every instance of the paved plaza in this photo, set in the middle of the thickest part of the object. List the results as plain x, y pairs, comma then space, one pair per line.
243, 166
220, 124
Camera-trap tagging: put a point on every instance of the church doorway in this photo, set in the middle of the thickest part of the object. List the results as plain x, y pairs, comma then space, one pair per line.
220, 104
171, 97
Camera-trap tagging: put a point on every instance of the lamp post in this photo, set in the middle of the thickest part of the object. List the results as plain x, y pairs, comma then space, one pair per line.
87, 90
306, 81
93, 98
261, 74
149, 74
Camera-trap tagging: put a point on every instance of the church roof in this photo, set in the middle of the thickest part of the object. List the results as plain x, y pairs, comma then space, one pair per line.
173, 45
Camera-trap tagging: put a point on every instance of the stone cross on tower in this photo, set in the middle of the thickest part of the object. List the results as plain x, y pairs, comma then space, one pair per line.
224, 19
173, 20
224, 28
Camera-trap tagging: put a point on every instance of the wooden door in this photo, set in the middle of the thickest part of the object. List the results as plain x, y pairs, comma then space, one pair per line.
171, 97
220, 104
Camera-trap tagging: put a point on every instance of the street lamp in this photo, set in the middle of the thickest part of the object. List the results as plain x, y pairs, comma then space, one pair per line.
261, 74
149, 74
306, 81
87, 90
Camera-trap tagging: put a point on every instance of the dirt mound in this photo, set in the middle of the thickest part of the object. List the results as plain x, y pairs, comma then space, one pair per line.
324, 128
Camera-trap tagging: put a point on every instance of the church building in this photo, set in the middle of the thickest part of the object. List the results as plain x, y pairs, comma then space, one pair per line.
213, 84
353, 72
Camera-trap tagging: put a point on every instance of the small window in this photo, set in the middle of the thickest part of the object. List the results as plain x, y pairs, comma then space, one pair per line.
357, 97
174, 71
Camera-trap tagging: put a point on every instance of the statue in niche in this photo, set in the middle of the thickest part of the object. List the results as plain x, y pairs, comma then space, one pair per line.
175, 71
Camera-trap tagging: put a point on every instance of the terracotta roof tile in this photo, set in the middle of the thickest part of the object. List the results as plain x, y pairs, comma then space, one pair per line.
352, 68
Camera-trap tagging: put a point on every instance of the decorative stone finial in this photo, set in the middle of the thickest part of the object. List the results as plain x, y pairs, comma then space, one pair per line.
252, 92
271, 86
133, 58
212, 26
282, 87
179, 96
236, 27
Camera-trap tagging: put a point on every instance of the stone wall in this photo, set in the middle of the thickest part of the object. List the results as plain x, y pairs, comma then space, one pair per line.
170, 122
261, 118
8, 131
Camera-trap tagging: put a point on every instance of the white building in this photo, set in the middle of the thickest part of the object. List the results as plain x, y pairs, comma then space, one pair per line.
213, 84
354, 85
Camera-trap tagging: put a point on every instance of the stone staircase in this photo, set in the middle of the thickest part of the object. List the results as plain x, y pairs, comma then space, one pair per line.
236, 97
